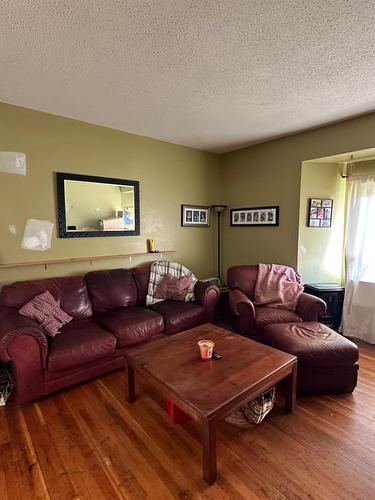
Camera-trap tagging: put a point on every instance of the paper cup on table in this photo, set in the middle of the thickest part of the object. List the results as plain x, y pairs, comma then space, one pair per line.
206, 348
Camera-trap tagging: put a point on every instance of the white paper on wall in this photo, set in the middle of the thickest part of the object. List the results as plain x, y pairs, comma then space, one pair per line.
12, 229
12, 163
37, 235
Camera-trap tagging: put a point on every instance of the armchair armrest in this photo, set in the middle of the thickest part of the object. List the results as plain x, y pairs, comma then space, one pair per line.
207, 296
309, 307
14, 325
243, 311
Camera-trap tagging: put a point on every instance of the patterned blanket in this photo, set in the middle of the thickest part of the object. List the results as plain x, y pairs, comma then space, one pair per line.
159, 269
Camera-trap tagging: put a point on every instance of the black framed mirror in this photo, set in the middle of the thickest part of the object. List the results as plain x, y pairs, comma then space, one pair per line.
90, 206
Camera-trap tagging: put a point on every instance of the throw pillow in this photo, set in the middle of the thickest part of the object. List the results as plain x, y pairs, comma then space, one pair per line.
173, 288
47, 312
158, 270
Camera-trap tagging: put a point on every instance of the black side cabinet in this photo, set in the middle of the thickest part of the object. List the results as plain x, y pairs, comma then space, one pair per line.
333, 296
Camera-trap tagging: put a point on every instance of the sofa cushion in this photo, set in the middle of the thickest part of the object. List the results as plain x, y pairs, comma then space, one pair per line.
131, 325
80, 342
69, 292
179, 316
270, 315
111, 289
142, 277
314, 344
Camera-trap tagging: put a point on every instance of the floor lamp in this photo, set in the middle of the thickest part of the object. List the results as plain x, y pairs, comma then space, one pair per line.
219, 209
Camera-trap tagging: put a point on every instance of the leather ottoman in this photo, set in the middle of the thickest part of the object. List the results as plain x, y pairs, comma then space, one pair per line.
327, 361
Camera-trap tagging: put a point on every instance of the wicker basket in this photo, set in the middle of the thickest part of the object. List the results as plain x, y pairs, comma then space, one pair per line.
6, 386
253, 412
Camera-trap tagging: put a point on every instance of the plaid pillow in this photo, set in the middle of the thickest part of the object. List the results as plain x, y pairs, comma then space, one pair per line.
47, 312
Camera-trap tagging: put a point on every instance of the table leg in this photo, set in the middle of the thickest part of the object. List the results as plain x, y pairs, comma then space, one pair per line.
131, 385
209, 451
290, 389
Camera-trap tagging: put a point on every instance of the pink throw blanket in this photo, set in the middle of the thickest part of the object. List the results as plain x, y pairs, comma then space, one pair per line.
277, 286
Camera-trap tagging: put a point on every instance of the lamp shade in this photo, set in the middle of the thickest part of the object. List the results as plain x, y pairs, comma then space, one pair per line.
219, 208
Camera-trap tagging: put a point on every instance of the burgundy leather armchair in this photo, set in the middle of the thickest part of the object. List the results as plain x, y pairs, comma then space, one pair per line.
109, 317
248, 319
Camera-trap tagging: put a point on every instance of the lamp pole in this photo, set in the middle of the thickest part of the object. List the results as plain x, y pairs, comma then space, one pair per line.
219, 209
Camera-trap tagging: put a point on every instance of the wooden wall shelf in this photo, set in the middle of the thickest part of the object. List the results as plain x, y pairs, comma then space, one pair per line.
46, 263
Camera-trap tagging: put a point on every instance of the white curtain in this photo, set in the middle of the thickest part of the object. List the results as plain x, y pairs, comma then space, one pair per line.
359, 304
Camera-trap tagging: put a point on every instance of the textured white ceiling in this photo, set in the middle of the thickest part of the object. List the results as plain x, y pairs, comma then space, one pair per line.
212, 74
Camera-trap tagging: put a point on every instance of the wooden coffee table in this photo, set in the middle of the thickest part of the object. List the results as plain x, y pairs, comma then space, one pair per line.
211, 390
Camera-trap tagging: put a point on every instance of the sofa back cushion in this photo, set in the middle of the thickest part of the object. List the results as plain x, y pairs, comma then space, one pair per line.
243, 278
111, 289
69, 292
142, 277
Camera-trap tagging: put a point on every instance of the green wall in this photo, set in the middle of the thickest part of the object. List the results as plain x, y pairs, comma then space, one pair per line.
320, 249
270, 174
169, 175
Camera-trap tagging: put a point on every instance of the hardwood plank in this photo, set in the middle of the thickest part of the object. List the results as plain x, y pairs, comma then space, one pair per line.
4, 431
273, 459
342, 420
106, 431
23, 463
67, 461
41, 489
10, 474
3, 484
10, 485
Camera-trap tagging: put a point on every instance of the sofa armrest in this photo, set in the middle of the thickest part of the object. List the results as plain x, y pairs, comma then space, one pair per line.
243, 312
12, 326
309, 307
207, 296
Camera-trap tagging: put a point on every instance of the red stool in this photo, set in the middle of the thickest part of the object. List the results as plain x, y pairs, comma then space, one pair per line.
175, 413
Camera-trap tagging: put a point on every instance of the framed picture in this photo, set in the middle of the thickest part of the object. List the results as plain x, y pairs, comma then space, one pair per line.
320, 212
257, 216
195, 216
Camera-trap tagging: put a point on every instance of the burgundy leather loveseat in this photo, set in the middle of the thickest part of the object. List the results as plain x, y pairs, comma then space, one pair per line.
109, 317
250, 320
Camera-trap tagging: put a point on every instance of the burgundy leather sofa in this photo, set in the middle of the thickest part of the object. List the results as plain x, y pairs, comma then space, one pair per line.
250, 320
109, 317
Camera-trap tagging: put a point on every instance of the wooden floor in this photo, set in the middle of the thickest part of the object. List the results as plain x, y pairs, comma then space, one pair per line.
87, 443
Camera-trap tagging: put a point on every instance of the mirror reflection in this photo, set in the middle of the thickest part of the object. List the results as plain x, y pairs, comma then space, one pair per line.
94, 206
91, 206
